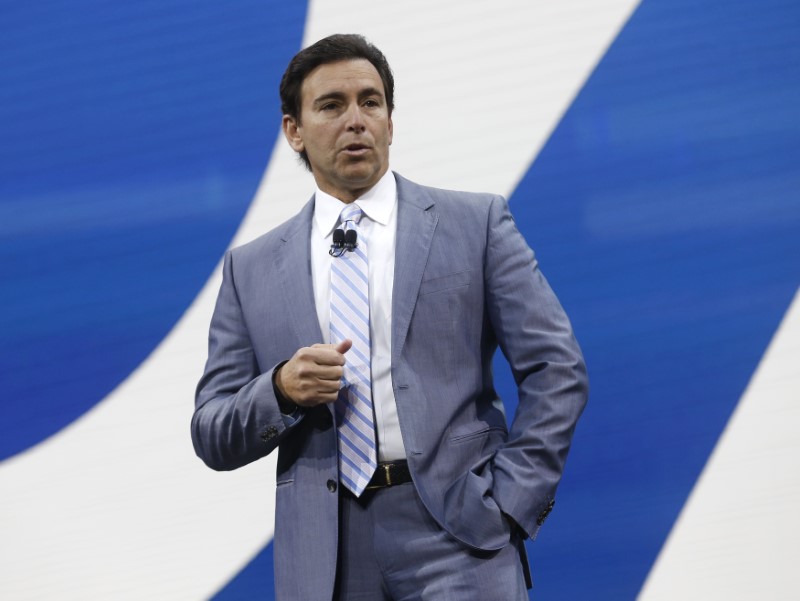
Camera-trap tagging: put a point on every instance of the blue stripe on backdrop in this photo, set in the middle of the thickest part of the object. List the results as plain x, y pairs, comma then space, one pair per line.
255, 581
664, 210
134, 138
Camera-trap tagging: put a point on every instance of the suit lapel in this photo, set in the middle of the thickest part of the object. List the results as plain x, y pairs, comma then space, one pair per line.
416, 222
294, 265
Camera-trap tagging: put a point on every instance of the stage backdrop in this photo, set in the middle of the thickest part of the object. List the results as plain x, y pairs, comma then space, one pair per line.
650, 153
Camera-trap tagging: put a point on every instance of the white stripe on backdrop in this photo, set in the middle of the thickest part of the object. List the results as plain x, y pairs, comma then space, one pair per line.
116, 506
736, 538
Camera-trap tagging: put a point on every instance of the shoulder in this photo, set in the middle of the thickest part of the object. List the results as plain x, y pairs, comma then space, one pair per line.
458, 203
406, 187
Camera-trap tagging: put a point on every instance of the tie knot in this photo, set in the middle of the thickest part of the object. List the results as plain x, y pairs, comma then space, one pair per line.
351, 212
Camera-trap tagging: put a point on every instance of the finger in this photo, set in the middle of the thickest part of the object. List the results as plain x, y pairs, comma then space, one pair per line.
335, 347
327, 398
343, 346
328, 394
326, 391
320, 354
329, 373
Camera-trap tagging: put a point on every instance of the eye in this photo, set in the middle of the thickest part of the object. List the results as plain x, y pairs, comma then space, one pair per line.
328, 106
372, 103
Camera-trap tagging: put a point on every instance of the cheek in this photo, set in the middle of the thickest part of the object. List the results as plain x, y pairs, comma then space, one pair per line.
325, 140
316, 143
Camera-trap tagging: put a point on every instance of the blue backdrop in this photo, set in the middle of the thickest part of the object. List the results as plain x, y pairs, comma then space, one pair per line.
664, 210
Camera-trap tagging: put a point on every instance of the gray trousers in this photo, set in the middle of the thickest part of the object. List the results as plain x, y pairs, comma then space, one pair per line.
391, 549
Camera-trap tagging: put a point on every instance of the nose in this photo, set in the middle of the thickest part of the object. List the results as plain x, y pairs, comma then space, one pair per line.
355, 120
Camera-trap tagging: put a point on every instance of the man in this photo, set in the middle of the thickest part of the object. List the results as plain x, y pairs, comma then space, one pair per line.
357, 339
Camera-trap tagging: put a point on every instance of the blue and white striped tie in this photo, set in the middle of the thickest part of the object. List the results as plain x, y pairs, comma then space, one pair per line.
350, 319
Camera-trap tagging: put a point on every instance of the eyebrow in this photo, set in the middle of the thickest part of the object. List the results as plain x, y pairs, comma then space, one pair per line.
366, 92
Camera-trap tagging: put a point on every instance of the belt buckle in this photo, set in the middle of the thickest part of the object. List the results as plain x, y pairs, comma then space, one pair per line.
387, 473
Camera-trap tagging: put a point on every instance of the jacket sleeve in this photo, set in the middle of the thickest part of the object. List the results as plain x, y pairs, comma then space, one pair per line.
536, 338
236, 418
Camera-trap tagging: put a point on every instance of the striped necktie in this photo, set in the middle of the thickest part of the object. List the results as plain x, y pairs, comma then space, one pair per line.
350, 319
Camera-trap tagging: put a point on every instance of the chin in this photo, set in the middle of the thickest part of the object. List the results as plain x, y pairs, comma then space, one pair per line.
360, 174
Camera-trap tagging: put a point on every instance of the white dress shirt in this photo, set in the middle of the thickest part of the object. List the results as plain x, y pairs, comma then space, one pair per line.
379, 226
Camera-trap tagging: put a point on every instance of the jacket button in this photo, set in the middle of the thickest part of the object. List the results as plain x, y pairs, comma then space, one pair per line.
543, 515
269, 433
332, 485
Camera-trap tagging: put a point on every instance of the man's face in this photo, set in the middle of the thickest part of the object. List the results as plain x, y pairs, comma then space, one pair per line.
344, 127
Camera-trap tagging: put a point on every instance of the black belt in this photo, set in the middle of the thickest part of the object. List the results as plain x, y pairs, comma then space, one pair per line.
390, 473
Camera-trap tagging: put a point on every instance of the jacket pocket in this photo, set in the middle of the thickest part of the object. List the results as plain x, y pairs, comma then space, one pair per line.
464, 434
445, 282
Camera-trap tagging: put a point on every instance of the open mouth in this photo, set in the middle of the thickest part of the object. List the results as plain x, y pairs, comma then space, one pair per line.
356, 149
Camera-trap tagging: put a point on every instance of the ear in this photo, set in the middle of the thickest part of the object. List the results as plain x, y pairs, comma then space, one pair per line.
293, 133
391, 130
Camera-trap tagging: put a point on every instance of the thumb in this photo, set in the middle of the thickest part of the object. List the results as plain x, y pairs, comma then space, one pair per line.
343, 346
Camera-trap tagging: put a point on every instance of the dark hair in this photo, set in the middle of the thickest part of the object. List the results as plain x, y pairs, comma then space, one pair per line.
334, 48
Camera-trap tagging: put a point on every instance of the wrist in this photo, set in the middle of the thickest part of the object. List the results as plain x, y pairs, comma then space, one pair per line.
285, 404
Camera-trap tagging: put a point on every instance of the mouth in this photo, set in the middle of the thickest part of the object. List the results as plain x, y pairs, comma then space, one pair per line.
356, 149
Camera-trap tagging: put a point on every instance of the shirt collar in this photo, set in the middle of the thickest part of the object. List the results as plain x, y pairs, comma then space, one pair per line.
377, 203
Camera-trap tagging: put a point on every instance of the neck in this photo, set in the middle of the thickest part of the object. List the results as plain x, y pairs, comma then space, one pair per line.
350, 195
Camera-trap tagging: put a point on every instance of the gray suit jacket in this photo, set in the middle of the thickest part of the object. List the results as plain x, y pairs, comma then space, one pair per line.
465, 282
